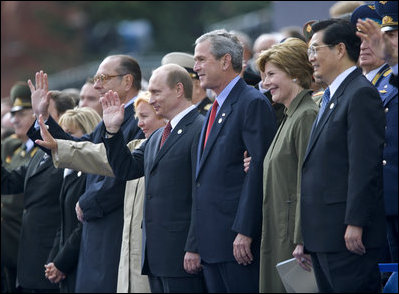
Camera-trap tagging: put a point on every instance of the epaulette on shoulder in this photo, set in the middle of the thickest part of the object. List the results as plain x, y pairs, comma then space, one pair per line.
387, 72
206, 107
318, 93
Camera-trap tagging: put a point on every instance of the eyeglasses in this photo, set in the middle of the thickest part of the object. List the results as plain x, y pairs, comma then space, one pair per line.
312, 50
105, 77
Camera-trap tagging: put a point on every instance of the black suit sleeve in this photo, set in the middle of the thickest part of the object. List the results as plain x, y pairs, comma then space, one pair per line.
67, 258
125, 165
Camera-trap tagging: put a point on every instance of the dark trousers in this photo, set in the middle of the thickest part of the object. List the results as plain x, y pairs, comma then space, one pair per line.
346, 272
27, 290
392, 234
193, 284
231, 277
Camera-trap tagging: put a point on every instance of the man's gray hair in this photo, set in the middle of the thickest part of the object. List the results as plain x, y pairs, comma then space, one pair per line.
222, 42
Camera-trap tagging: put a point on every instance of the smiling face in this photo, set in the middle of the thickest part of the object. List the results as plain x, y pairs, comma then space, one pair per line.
108, 67
324, 61
148, 121
280, 85
163, 99
208, 68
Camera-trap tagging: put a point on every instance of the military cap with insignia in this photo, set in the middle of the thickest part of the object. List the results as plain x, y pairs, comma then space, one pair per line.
307, 30
366, 11
183, 59
388, 11
20, 96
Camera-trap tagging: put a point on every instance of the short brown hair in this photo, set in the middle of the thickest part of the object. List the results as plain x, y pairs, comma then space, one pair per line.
291, 57
178, 74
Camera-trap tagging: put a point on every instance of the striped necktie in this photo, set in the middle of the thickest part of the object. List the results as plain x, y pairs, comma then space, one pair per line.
324, 102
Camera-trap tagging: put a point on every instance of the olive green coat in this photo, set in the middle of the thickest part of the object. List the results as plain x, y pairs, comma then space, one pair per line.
281, 188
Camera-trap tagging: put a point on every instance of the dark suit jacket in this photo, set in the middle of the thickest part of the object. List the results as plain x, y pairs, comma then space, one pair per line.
389, 96
65, 251
168, 175
227, 200
41, 216
342, 169
102, 205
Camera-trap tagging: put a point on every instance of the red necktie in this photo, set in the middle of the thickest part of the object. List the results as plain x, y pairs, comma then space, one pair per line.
211, 120
165, 134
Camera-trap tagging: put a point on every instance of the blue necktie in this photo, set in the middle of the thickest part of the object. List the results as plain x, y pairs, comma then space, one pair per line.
324, 102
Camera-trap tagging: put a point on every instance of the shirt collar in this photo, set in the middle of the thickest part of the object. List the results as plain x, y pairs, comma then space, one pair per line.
29, 145
296, 101
339, 79
370, 76
131, 101
174, 121
226, 91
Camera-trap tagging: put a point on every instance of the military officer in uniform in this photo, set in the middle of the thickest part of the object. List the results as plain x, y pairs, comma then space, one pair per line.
385, 14
186, 60
388, 11
17, 150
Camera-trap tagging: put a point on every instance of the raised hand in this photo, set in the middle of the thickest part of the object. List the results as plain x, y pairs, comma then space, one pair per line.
370, 32
113, 111
48, 141
40, 95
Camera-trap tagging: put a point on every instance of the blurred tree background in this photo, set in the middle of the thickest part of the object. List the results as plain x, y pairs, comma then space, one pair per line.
59, 35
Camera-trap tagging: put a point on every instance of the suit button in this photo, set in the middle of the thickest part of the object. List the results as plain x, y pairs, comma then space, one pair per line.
24, 211
198, 185
149, 196
386, 110
384, 162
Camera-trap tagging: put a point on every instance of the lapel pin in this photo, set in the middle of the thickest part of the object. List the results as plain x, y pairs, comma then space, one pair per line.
220, 120
79, 173
332, 106
223, 114
179, 131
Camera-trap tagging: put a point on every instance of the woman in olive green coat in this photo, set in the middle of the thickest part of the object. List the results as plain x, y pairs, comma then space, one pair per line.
287, 75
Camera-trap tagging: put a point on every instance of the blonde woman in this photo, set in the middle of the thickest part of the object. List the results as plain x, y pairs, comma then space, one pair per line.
92, 158
63, 258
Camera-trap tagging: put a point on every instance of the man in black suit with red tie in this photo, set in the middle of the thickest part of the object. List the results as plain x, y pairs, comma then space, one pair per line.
167, 160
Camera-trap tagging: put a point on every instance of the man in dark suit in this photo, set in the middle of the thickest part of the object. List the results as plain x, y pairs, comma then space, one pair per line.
379, 74
100, 208
199, 99
16, 150
169, 257
41, 213
342, 205
228, 202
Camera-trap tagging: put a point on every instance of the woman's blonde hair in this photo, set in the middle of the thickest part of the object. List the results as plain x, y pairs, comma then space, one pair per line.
143, 96
290, 56
84, 118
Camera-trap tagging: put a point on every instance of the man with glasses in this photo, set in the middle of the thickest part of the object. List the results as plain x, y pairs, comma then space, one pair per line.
100, 208
342, 208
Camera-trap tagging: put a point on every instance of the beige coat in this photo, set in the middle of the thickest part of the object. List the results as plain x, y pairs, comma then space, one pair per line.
91, 158
281, 190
